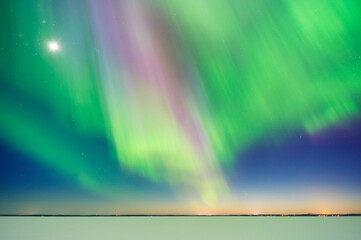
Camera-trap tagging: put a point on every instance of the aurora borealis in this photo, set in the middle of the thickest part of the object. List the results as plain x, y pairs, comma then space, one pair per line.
180, 106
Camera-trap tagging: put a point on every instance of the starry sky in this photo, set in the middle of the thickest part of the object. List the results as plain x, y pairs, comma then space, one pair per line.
180, 107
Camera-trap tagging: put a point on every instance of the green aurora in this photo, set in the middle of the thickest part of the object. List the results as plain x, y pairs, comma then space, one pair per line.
176, 89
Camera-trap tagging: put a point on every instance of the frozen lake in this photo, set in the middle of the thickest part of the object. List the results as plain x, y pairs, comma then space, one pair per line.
221, 227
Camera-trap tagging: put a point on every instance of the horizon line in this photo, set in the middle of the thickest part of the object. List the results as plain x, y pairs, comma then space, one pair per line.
183, 215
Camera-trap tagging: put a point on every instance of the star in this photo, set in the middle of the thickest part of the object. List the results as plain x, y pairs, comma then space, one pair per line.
53, 46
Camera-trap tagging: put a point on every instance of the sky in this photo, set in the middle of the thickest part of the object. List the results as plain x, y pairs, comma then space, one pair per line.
180, 107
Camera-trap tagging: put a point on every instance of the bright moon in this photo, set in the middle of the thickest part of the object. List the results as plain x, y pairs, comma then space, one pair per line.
53, 46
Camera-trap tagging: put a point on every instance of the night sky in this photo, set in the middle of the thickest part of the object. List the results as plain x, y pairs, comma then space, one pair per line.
180, 107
